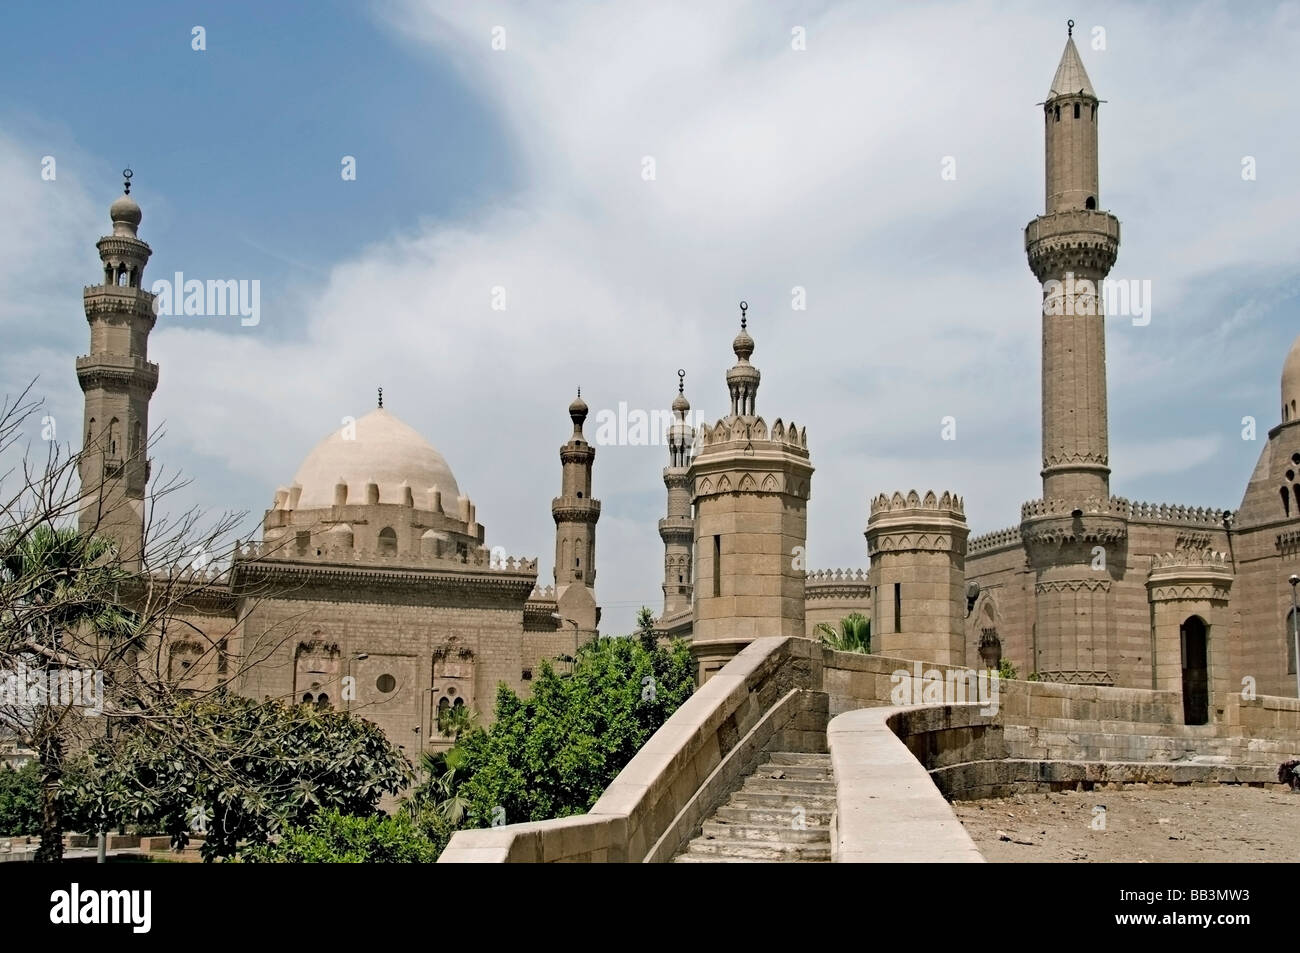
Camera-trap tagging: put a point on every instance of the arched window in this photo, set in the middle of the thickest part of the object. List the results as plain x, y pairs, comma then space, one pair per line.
306, 698
113, 436
1286, 501
1076, 110
1091, 203
459, 703
1058, 113
322, 701
90, 433
387, 541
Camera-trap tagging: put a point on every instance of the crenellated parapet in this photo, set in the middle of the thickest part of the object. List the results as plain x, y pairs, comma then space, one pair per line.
995, 541
754, 430
837, 584
898, 502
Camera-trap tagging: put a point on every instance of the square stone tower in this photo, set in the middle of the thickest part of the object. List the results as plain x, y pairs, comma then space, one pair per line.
750, 488
918, 576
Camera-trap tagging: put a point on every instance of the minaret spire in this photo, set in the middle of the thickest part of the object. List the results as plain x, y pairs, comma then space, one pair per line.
743, 378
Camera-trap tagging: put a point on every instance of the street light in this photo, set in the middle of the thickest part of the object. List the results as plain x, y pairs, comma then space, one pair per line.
1295, 629
358, 657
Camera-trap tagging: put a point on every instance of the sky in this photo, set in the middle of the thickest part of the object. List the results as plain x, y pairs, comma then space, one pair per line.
620, 176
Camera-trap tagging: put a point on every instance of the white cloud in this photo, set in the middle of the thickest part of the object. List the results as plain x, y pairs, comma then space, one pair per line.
775, 168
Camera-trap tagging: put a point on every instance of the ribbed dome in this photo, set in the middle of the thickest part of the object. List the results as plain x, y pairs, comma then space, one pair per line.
384, 451
1291, 383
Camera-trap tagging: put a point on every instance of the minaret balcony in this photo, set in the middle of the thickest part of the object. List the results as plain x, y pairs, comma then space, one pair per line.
1074, 240
117, 298
575, 509
677, 527
96, 370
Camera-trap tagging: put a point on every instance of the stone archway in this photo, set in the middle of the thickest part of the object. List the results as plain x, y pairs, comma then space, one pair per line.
1194, 635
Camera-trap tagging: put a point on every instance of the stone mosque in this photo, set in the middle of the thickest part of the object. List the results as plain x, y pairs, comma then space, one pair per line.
373, 570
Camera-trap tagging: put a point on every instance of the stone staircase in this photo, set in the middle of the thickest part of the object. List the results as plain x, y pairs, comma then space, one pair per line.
781, 813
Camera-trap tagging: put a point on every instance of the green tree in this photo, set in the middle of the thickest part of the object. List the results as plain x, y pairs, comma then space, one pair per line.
645, 628
332, 837
20, 799
239, 771
58, 590
854, 634
553, 754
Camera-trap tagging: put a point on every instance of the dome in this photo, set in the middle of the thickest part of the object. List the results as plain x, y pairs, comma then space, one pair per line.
1291, 384
680, 404
381, 450
125, 211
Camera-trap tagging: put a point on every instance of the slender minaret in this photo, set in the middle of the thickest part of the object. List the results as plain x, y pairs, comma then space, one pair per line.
118, 382
1076, 537
677, 529
576, 514
1071, 250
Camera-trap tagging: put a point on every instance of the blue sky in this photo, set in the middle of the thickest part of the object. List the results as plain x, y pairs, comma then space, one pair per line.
521, 168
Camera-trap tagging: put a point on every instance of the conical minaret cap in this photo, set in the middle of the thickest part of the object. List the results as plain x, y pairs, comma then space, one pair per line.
1071, 78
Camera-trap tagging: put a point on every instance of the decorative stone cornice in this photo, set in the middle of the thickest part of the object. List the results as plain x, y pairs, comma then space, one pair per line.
1078, 240
1078, 677
512, 584
914, 523
1188, 575
1073, 585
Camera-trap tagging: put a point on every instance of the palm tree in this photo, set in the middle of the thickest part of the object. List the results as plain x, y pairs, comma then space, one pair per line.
55, 584
854, 634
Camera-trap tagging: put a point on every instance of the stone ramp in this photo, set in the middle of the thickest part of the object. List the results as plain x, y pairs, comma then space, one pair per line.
780, 814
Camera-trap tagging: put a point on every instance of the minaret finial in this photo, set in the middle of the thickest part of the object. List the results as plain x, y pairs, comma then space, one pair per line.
1069, 28
744, 306
681, 380
579, 390
126, 183
381, 398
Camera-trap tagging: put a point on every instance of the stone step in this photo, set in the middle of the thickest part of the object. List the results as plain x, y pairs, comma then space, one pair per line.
753, 850
799, 757
774, 833
788, 786
782, 800
719, 859
744, 814
810, 772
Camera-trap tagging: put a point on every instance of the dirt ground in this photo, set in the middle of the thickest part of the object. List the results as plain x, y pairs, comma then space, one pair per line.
1228, 823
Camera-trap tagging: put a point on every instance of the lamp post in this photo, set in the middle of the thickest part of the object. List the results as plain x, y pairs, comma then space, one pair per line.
358, 657
1295, 629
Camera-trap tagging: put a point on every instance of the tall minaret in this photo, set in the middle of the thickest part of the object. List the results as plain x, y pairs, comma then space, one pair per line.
576, 514
1076, 538
1071, 250
677, 529
118, 382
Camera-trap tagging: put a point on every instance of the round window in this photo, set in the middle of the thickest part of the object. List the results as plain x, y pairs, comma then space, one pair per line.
385, 683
